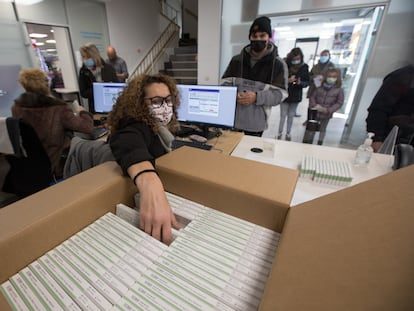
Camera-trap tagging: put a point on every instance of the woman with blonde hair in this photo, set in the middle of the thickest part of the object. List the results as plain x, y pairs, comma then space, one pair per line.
94, 69
141, 122
52, 119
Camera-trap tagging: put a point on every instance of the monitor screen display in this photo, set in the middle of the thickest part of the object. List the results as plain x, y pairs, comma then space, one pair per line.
207, 104
105, 95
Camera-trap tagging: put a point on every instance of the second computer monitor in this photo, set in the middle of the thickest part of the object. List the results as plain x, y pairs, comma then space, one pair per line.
105, 95
207, 105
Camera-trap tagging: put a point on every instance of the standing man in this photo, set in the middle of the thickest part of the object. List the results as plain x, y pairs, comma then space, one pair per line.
261, 77
118, 63
393, 104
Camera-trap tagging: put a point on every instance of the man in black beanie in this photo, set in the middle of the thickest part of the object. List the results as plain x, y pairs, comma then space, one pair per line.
261, 77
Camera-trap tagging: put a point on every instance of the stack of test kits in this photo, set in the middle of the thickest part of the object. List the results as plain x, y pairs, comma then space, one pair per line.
216, 262
326, 171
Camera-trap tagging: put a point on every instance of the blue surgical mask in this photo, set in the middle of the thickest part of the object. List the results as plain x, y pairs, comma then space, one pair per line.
295, 62
324, 59
89, 62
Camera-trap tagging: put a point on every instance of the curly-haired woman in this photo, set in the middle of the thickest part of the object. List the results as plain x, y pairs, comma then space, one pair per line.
52, 119
141, 122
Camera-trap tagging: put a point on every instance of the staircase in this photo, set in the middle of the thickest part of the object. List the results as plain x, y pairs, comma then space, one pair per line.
182, 65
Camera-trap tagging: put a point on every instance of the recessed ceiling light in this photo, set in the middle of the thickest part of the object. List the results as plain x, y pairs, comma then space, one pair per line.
51, 50
331, 25
27, 2
286, 28
39, 43
51, 41
37, 35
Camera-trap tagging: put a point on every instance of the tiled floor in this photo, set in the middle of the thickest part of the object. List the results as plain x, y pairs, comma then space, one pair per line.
333, 133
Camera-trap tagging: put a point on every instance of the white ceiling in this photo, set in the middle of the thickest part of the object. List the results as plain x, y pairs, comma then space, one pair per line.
315, 24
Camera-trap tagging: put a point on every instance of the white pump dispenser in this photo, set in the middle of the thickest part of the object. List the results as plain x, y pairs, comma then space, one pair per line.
364, 152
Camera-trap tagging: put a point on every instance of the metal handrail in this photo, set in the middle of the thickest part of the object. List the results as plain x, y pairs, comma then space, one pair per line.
147, 63
149, 60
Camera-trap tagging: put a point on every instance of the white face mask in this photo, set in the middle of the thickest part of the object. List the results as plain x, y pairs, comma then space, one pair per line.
163, 114
331, 80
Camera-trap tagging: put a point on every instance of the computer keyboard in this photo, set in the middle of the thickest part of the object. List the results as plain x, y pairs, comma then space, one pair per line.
179, 143
185, 131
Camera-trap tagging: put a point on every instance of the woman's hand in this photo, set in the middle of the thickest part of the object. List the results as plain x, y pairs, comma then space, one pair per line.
321, 108
156, 216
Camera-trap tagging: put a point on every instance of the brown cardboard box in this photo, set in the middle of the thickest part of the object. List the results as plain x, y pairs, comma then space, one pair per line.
259, 193
351, 250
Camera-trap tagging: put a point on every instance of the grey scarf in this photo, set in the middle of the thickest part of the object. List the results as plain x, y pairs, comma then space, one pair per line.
166, 137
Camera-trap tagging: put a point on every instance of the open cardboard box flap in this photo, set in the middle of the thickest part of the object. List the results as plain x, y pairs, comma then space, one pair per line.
351, 250
257, 192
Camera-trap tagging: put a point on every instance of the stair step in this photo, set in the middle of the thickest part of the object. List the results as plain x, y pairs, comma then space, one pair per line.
180, 64
181, 72
183, 57
186, 80
185, 49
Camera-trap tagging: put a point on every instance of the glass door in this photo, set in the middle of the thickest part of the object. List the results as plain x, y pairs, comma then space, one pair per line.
52, 52
348, 35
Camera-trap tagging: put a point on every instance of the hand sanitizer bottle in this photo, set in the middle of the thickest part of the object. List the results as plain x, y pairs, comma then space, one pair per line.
364, 152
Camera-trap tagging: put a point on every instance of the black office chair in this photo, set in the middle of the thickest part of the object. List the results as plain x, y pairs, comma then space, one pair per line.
30, 172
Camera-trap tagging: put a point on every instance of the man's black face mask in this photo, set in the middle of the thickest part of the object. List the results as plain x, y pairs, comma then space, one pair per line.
258, 45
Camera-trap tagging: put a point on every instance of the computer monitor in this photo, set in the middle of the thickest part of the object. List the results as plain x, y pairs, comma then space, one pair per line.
105, 95
207, 106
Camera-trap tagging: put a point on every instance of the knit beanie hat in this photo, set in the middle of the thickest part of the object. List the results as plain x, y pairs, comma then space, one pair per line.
261, 24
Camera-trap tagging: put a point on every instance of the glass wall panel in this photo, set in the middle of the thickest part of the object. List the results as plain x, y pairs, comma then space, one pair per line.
13, 57
88, 23
47, 11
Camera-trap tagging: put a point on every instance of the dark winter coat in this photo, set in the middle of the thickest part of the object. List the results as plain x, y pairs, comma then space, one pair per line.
295, 90
330, 98
54, 123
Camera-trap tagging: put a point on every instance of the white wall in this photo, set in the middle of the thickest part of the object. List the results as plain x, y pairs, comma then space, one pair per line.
134, 25
209, 20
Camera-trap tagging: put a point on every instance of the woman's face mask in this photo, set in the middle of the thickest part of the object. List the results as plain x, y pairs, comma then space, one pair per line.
324, 59
331, 80
163, 113
258, 45
89, 62
295, 62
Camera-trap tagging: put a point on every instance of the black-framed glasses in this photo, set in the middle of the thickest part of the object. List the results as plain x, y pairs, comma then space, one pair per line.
158, 101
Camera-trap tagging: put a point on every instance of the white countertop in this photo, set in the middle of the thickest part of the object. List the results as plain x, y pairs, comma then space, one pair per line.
289, 154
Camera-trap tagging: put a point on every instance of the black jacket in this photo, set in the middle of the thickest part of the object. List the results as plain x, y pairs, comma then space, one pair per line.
267, 76
135, 142
295, 90
393, 105
86, 80
240, 67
